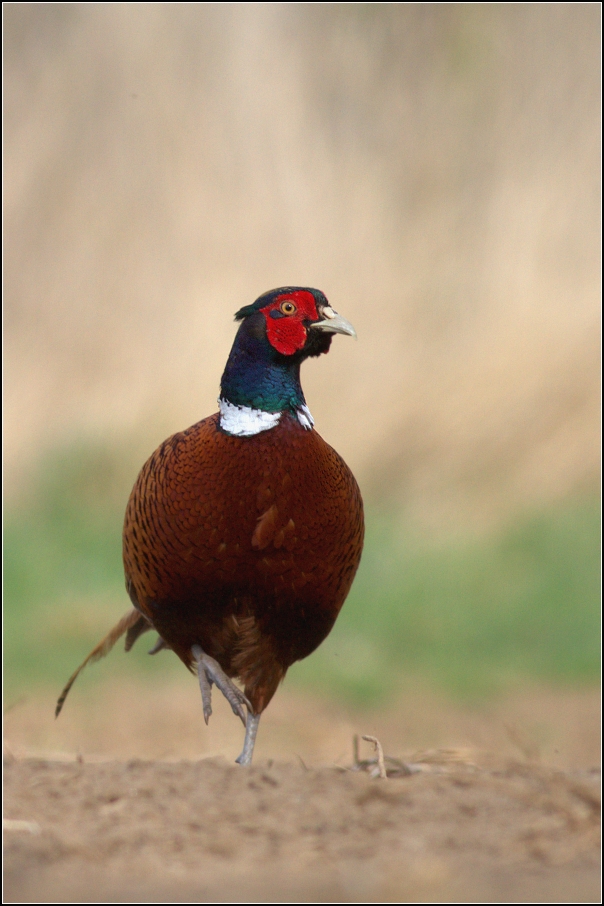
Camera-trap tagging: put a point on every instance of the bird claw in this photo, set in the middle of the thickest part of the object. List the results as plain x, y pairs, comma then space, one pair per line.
209, 671
206, 690
159, 646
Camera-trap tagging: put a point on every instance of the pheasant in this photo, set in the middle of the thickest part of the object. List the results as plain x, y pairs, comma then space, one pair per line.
243, 533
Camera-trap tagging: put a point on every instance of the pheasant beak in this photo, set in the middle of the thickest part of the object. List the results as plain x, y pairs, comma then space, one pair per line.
335, 323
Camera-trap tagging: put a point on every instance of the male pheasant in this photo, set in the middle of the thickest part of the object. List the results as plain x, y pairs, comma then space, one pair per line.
243, 533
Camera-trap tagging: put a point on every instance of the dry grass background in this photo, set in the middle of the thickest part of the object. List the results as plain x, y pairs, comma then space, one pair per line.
434, 169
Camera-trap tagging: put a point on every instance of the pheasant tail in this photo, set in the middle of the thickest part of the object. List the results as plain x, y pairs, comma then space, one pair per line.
127, 623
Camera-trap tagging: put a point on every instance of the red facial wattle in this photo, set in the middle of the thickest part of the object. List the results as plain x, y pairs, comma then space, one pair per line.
286, 331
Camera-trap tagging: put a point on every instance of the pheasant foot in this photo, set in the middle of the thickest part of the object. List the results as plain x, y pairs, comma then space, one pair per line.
209, 671
159, 646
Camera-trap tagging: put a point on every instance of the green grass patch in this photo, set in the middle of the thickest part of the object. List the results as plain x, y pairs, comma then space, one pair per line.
470, 616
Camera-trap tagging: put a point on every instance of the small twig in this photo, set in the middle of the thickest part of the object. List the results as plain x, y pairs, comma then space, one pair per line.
383, 766
355, 751
300, 759
380, 755
528, 747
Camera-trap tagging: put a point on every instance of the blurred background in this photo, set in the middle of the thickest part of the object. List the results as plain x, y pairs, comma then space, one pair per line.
435, 170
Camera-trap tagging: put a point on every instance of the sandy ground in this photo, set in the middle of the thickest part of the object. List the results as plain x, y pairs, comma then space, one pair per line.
129, 797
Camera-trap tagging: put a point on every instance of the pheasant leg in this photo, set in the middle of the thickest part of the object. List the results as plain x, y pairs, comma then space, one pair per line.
251, 728
209, 671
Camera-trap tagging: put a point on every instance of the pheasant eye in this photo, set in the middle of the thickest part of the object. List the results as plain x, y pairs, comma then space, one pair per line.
288, 308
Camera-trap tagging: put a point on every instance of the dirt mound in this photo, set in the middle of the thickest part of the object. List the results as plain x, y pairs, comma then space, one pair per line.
130, 798
209, 831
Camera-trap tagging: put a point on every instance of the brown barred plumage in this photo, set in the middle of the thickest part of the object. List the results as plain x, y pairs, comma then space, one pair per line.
225, 546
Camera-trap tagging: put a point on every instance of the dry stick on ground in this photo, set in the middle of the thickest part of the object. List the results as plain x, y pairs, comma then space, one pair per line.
365, 764
380, 755
377, 766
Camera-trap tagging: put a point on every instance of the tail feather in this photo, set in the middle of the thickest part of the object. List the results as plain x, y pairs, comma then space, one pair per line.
103, 648
136, 630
